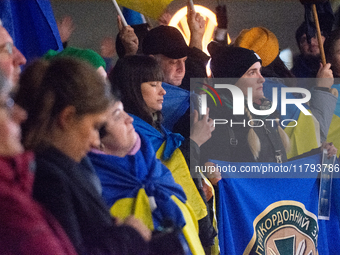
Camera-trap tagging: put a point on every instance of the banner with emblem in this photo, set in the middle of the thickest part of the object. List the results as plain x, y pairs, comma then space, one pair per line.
276, 215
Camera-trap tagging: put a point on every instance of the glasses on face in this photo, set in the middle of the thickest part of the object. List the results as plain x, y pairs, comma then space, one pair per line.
7, 47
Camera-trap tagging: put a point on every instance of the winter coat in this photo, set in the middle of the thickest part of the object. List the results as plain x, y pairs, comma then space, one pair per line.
306, 66
25, 226
64, 187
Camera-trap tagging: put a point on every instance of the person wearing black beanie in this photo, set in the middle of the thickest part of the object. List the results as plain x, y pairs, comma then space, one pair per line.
229, 61
248, 142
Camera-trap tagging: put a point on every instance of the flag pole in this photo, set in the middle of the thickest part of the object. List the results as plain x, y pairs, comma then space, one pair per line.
192, 5
120, 13
318, 33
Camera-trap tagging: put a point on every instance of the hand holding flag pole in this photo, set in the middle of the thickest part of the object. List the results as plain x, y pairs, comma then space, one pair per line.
120, 13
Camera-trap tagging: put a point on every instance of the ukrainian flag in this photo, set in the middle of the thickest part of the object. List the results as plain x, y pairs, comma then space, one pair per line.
166, 145
142, 186
265, 215
305, 136
150, 8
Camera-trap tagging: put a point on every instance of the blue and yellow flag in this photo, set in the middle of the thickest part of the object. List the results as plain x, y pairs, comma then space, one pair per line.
142, 186
276, 215
305, 135
166, 145
150, 8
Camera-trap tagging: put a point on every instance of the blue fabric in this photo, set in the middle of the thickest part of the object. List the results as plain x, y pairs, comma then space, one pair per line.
337, 108
176, 103
242, 200
124, 177
132, 17
172, 140
32, 26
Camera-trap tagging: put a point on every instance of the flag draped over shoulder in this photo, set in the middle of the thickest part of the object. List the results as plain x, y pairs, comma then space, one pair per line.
125, 177
305, 135
150, 8
142, 186
276, 215
32, 26
167, 150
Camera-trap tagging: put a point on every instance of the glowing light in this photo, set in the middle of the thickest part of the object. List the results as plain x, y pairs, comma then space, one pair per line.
179, 20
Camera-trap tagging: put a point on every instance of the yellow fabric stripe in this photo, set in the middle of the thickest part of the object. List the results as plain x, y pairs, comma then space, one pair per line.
190, 230
181, 174
303, 137
150, 8
138, 207
334, 133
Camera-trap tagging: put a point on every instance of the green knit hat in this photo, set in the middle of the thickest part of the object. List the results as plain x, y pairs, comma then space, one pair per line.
88, 55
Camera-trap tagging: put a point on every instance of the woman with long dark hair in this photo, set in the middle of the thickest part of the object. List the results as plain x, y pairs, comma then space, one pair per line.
139, 78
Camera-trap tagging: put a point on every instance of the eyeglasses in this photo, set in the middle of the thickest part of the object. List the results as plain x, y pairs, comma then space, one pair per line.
7, 47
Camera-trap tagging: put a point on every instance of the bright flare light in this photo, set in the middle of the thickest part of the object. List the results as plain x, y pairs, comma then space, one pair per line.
179, 21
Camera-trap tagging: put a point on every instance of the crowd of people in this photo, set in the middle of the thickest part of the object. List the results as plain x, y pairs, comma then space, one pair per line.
98, 158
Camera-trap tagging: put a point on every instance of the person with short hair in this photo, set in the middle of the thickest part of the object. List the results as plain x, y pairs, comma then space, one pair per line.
179, 61
11, 58
307, 63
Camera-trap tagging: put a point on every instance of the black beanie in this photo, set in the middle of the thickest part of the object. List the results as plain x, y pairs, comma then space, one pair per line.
230, 61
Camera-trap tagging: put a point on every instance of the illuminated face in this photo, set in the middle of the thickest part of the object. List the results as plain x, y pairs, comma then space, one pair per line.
252, 78
173, 69
153, 95
10, 57
120, 134
311, 48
